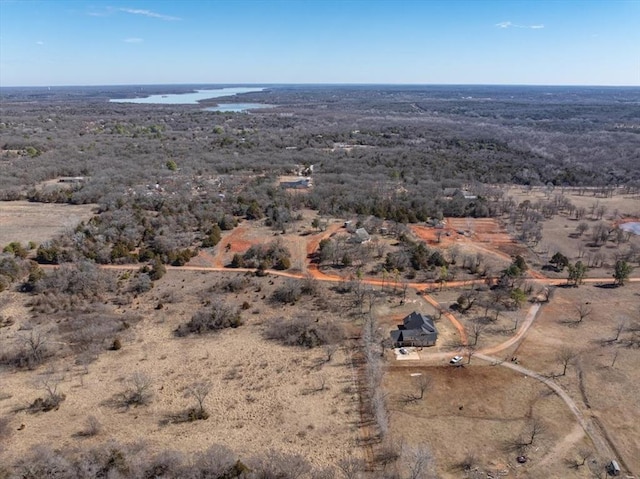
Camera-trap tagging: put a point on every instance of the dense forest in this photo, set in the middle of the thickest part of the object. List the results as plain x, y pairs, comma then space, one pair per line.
165, 175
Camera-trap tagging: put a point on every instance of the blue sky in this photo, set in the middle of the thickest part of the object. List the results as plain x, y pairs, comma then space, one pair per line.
548, 42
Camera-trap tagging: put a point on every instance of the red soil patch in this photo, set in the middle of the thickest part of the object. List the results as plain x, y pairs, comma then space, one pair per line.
234, 242
314, 243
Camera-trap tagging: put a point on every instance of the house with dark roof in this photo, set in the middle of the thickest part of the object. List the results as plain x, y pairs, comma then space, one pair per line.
416, 330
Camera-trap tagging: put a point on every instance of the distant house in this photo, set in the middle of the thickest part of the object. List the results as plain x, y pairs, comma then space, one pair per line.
360, 236
451, 193
416, 330
72, 179
298, 183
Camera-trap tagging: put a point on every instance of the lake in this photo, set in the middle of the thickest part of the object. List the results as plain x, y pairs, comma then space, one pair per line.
238, 107
633, 227
191, 98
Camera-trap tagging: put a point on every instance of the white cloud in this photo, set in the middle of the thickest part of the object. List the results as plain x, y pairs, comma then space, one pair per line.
133, 40
149, 13
39, 42
514, 25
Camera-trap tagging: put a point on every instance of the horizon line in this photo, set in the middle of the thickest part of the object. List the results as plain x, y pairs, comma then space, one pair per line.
268, 84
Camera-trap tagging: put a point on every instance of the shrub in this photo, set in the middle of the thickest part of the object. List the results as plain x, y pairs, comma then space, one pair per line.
92, 427
237, 261
215, 318
213, 237
16, 249
283, 263
303, 332
48, 253
158, 270
234, 285
138, 391
84, 279
289, 293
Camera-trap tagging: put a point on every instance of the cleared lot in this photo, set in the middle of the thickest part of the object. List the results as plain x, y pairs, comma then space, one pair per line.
24, 221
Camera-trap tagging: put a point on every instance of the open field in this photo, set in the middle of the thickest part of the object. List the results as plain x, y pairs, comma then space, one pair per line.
602, 377
477, 411
24, 221
264, 396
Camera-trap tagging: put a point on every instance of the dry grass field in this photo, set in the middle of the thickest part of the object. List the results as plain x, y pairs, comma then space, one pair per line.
602, 378
264, 395
24, 221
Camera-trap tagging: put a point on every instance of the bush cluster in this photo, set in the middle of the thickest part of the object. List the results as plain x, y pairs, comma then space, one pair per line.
303, 332
214, 318
272, 256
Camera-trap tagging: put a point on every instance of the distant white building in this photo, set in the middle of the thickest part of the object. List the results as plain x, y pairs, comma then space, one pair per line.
300, 183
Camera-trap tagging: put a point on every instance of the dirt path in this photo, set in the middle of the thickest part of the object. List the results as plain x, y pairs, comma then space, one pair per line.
461, 331
562, 447
524, 329
602, 445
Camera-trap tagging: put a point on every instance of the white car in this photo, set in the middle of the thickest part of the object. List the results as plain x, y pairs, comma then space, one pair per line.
456, 360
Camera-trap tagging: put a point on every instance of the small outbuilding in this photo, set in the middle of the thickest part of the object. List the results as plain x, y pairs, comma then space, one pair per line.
416, 330
360, 236
613, 468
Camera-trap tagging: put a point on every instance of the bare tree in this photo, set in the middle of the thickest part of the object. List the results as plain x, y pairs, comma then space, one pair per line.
622, 323
531, 431
328, 472
138, 391
48, 383
566, 356
469, 463
216, 461
583, 454
467, 299
329, 351
423, 384
536, 427
470, 351
583, 310
321, 383
418, 461
388, 453
199, 391
477, 328
280, 465
351, 467
35, 347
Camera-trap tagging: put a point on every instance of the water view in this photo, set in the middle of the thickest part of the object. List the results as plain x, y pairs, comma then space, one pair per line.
633, 227
238, 107
191, 98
